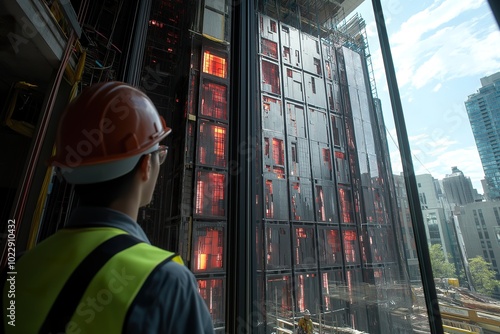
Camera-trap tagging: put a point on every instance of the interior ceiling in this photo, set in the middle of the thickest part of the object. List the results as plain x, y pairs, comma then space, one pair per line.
24, 54
321, 11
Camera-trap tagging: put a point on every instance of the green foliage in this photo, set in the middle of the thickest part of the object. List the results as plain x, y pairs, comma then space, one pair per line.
440, 267
483, 277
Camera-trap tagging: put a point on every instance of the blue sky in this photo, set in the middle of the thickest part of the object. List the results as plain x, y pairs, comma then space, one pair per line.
441, 49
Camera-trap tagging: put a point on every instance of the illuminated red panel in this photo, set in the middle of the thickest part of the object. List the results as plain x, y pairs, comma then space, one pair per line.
214, 65
210, 194
212, 144
212, 292
330, 250
278, 152
320, 203
345, 205
270, 77
156, 23
326, 158
269, 48
208, 248
214, 100
350, 246
269, 199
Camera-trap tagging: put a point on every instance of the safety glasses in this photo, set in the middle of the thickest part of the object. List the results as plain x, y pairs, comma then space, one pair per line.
162, 153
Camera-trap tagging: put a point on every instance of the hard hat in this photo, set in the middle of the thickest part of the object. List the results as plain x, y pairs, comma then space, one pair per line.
306, 312
104, 131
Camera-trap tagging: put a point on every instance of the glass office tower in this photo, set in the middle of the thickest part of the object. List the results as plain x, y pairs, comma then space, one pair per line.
483, 109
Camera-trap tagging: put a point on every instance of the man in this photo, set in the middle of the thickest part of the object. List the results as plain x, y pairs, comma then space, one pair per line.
305, 325
100, 274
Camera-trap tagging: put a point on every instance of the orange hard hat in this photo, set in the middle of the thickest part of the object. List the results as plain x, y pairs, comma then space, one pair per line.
104, 131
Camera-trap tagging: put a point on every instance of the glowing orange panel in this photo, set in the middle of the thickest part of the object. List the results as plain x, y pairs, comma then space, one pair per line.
214, 65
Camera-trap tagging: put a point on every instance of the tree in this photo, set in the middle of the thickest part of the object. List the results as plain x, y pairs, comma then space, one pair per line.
483, 277
440, 266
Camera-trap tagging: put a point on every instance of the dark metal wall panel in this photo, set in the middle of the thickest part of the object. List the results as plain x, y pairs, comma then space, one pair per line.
341, 167
212, 144
298, 157
275, 197
311, 54
272, 114
273, 152
278, 254
214, 98
290, 46
334, 292
268, 28
318, 125
351, 246
315, 90
326, 204
330, 61
346, 204
370, 209
330, 248
338, 131
269, 48
321, 161
270, 77
295, 120
301, 200
304, 246
212, 290
333, 96
293, 86
307, 292
279, 299
380, 241
210, 194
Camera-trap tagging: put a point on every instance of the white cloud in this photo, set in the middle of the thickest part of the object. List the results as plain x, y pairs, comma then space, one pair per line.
436, 157
443, 42
437, 87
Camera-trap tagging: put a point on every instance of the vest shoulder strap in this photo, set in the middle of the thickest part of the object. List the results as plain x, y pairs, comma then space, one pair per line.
67, 300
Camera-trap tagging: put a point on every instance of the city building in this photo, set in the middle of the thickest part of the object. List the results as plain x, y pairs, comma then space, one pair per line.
313, 223
458, 188
407, 228
480, 225
483, 109
438, 219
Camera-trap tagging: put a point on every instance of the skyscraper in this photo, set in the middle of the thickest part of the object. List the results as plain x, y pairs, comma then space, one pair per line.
458, 187
320, 229
483, 109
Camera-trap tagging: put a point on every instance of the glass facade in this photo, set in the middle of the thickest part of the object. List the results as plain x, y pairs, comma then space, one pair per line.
483, 109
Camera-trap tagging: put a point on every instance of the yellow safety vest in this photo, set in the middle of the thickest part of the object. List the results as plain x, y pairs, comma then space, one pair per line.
116, 266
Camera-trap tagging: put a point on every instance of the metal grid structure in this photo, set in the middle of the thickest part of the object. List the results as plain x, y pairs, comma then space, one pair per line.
338, 218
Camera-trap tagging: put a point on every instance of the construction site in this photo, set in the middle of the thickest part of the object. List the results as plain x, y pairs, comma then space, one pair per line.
327, 231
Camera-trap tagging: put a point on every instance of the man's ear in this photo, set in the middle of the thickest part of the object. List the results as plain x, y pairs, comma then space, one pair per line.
145, 167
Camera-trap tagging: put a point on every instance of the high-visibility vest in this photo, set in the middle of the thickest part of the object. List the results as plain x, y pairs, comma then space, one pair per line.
69, 256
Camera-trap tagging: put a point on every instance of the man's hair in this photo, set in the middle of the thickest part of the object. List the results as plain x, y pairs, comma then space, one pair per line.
102, 194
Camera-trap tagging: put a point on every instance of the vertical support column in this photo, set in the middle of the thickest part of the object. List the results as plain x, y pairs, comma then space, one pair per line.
431, 300
241, 289
137, 43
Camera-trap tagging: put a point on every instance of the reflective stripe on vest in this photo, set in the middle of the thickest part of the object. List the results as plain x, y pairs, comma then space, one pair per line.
42, 273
